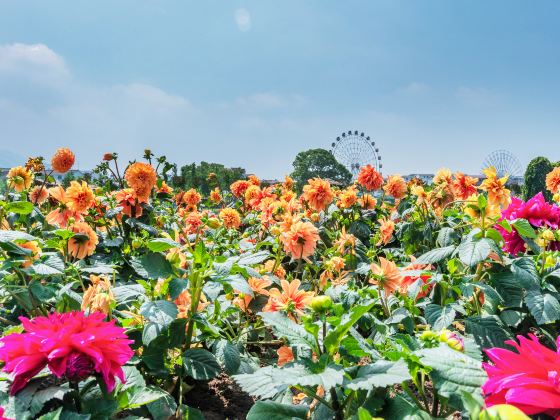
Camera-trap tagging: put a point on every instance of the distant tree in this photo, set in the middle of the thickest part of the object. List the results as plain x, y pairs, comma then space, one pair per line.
535, 178
318, 163
206, 176
68, 178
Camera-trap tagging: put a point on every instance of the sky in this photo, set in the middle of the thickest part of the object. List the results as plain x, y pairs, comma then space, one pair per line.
435, 83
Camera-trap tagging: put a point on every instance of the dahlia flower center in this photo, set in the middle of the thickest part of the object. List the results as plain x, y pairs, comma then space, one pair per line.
78, 367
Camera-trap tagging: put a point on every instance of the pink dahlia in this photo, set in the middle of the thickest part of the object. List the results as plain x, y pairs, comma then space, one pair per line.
537, 212
71, 344
2, 414
528, 379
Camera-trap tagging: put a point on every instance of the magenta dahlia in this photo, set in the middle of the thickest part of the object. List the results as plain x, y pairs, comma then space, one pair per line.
528, 379
72, 345
537, 212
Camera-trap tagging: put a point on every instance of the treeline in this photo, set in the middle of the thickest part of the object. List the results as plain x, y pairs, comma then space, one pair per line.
206, 176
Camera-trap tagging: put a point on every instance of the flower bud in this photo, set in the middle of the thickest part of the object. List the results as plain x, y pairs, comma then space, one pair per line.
321, 303
452, 340
214, 223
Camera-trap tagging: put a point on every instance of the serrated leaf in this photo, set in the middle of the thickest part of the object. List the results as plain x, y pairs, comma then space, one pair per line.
525, 273
380, 375
453, 372
524, 228
19, 207
284, 327
200, 364
152, 266
139, 396
15, 235
439, 317
435, 255
52, 265
446, 237
238, 282
271, 410
473, 252
161, 244
487, 331
545, 308
228, 356
162, 312
334, 337
252, 259
176, 287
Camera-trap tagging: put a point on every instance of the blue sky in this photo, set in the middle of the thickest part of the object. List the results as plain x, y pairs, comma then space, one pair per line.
251, 83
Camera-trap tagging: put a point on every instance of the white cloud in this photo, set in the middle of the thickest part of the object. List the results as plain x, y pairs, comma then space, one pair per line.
242, 19
263, 100
414, 88
32, 61
477, 96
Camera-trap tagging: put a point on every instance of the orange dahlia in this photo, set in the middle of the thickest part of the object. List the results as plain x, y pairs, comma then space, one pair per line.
395, 187
253, 180
19, 178
443, 176
128, 200
279, 272
32, 246
191, 198
464, 186
98, 297
238, 188
80, 197
291, 299
63, 160
231, 218
142, 178
84, 243
252, 195
300, 240
38, 195
367, 202
386, 231
215, 195
348, 197
553, 181
318, 194
288, 183
498, 194
387, 275
165, 189
369, 178
193, 223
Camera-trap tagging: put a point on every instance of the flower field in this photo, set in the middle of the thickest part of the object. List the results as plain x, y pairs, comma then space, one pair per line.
126, 297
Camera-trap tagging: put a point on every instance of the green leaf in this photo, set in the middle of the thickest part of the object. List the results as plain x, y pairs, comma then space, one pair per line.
152, 266
524, 228
453, 372
139, 396
228, 356
19, 207
284, 327
488, 331
334, 337
176, 287
31, 400
440, 317
446, 237
252, 259
271, 410
238, 282
200, 364
526, 273
162, 312
380, 375
161, 244
42, 293
436, 255
544, 307
15, 235
52, 265
400, 408
473, 252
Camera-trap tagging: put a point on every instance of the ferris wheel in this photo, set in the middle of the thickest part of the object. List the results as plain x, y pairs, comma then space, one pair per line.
354, 150
505, 162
